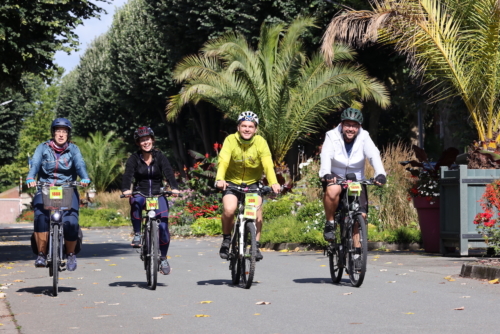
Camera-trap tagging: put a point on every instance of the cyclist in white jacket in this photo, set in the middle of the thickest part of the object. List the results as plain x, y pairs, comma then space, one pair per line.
344, 152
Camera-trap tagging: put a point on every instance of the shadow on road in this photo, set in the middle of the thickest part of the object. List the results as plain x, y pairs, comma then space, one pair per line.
45, 290
134, 284
215, 282
317, 280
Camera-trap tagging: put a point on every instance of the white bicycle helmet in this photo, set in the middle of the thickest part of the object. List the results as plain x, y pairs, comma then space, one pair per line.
248, 116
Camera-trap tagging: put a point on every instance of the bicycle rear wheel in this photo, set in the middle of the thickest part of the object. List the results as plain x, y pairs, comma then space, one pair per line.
55, 260
357, 258
147, 253
154, 256
234, 256
249, 253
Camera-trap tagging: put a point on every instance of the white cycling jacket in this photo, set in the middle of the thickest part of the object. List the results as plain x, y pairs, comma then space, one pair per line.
334, 157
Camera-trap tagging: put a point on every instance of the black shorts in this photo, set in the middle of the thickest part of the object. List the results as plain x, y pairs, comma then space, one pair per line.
363, 198
253, 186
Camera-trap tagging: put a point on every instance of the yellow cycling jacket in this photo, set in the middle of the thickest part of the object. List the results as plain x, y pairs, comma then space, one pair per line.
242, 161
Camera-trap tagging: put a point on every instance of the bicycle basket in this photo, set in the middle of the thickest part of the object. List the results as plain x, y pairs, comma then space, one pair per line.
57, 198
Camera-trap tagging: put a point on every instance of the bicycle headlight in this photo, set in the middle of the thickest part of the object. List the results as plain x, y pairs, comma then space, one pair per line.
151, 214
56, 216
354, 207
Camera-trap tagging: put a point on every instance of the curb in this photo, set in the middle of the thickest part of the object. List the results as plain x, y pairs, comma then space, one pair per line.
372, 245
480, 271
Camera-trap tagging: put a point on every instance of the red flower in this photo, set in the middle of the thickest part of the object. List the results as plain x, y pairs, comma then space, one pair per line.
207, 156
489, 223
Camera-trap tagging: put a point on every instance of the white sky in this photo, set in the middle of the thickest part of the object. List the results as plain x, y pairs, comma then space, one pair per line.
87, 33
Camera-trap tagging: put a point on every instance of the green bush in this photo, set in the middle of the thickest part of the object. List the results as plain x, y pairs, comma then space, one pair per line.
400, 235
207, 226
282, 206
102, 217
289, 229
180, 230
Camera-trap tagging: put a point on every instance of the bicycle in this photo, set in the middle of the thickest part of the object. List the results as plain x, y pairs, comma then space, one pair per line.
243, 247
342, 253
150, 247
56, 198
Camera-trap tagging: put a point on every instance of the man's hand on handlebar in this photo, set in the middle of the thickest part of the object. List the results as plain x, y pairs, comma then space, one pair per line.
221, 184
276, 188
175, 192
380, 180
330, 178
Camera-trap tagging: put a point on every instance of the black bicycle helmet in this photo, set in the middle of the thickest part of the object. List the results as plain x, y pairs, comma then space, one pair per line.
351, 114
143, 131
60, 122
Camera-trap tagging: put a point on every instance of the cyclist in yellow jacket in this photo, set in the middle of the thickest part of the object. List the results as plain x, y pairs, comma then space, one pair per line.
243, 158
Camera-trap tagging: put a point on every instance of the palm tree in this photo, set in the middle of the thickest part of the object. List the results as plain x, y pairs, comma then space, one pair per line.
454, 45
103, 156
290, 92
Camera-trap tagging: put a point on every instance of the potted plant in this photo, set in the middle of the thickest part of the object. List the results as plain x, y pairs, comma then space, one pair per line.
425, 193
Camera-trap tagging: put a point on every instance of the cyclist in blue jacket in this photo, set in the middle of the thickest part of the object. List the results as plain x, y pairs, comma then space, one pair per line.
57, 161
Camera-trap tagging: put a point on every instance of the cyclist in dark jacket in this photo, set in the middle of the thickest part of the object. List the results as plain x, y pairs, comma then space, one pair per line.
57, 161
148, 167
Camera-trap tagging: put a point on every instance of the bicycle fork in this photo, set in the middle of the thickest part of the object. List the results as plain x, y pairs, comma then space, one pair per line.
55, 219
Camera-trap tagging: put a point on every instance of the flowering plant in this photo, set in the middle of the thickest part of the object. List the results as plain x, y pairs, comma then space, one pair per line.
487, 222
426, 173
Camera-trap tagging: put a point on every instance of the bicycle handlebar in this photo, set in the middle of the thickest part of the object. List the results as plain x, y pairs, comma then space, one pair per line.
264, 190
163, 193
65, 184
369, 182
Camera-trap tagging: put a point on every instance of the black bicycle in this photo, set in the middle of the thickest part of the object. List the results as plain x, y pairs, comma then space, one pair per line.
349, 249
56, 199
243, 248
150, 246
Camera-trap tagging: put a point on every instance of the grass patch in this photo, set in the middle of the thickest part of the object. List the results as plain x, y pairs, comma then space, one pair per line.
102, 218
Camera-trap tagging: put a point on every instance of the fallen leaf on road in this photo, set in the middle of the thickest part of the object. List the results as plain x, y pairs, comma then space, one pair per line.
169, 257
347, 293
80, 294
1, 324
177, 256
493, 281
460, 308
388, 263
284, 251
107, 260
122, 258
383, 269
157, 318
112, 265
374, 260
391, 282
401, 274
376, 257
323, 265
463, 283
465, 297
400, 264
99, 302
97, 269
95, 283
262, 303
2, 295
4, 287
118, 277
21, 281
114, 304
409, 313
206, 302
165, 314
411, 271
202, 316
256, 314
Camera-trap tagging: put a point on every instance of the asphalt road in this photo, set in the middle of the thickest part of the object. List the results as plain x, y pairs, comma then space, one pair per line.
403, 292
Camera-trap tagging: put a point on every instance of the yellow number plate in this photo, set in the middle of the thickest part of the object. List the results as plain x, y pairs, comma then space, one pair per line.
55, 193
354, 189
250, 212
251, 199
152, 203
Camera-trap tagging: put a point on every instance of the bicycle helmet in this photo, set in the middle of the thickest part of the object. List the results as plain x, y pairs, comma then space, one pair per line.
143, 131
351, 114
60, 122
248, 116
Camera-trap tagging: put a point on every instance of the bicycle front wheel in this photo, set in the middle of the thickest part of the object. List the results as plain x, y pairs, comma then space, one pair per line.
335, 260
154, 256
249, 253
234, 256
55, 260
358, 255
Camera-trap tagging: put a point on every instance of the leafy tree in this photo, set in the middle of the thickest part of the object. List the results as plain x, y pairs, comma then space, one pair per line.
453, 45
32, 31
290, 92
103, 156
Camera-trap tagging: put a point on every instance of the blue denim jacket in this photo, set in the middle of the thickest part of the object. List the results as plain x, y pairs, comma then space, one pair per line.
56, 171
